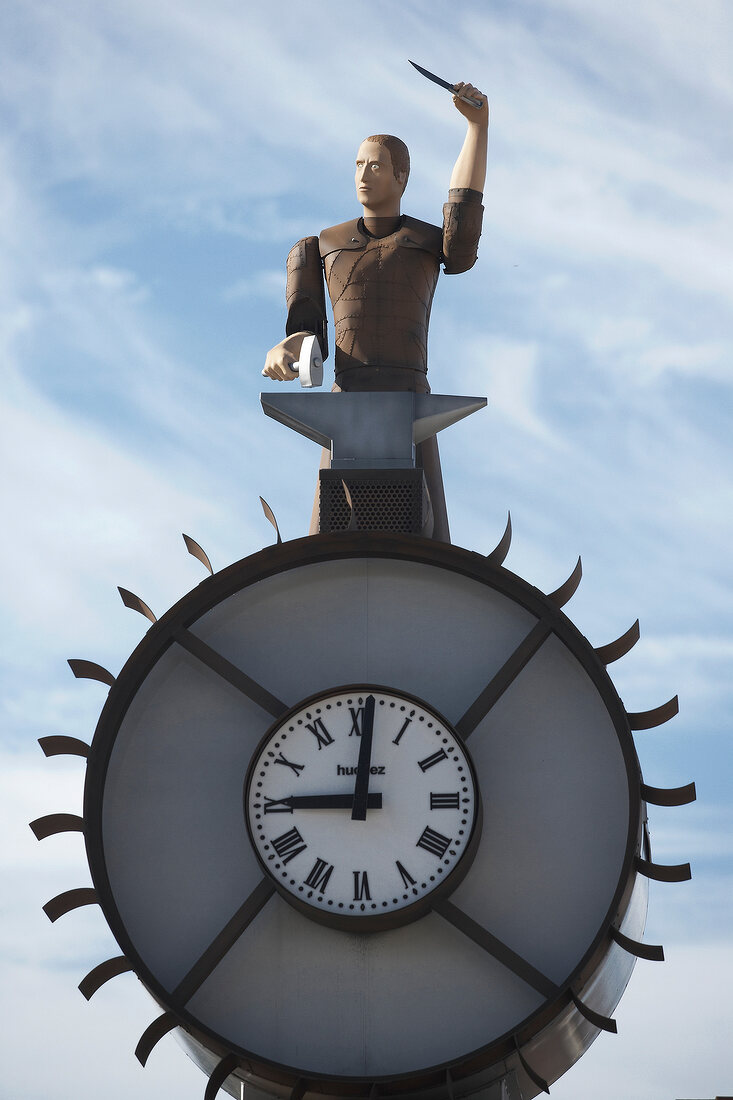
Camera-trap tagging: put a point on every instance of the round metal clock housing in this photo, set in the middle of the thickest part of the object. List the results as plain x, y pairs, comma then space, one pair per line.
488, 862
361, 805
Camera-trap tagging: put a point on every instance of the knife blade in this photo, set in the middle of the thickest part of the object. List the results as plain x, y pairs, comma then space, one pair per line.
444, 84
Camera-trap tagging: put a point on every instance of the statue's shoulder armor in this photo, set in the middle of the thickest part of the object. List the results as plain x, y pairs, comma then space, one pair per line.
302, 255
348, 237
416, 234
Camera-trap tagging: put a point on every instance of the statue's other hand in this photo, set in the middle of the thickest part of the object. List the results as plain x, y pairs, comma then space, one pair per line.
472, 114
279, 360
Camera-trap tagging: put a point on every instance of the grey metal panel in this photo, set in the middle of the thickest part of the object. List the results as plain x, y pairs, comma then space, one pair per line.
556, 814
290, 987
298, 632
559, 1046
311, 629
162, 773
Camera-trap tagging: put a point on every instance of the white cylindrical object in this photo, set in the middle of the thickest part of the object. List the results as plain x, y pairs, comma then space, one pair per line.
309, 367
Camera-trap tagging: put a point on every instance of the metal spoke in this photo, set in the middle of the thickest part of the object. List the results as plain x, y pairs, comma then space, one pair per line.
503, 678
496, 947
229, 672
223, 942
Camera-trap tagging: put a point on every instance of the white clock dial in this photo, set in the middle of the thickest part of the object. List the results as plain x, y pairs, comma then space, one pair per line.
361, 804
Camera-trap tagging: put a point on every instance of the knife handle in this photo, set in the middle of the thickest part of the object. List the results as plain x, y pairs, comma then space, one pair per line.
471, 101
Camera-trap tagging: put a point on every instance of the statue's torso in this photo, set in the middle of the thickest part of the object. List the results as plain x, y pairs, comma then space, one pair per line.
381, 291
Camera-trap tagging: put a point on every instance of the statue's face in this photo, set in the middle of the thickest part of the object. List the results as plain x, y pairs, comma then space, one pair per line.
377, 188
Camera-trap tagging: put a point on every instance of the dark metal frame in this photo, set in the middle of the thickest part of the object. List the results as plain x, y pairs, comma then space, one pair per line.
296, 554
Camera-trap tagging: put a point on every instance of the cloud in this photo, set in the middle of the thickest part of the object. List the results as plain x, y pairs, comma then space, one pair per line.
510, 372
711, 360
118, 281
265, 284
76, 494
703, 835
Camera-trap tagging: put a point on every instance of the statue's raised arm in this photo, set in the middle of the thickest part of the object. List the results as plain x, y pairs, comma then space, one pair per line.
381, 271
470, 168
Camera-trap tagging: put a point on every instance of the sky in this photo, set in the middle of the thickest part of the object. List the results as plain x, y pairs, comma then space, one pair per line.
157, 162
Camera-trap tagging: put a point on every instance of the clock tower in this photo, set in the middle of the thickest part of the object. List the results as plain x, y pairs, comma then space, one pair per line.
363, 810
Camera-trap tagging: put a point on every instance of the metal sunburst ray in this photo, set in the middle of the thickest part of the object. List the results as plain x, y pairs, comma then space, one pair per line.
134, 602
198, 552
61, 745
500, 551
562, 594
90, 670
102, 973
270, 515
152, 1035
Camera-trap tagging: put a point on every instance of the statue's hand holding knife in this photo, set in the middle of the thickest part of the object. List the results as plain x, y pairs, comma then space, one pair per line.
462, 92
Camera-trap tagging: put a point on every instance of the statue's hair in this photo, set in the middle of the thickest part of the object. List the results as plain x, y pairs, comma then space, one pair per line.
397, 150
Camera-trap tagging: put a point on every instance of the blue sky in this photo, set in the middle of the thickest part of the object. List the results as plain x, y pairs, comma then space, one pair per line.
157, 161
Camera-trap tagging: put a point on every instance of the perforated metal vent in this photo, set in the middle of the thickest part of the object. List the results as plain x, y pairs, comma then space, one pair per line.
384, 500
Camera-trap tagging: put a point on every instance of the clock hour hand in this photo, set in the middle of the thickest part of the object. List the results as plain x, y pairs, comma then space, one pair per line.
329, 801
361, 787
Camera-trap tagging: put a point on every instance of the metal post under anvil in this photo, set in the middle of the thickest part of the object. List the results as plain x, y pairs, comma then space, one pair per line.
373, 482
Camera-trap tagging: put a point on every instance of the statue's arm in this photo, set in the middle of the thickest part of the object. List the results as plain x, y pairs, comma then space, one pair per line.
470, 168
463, 213
306, 310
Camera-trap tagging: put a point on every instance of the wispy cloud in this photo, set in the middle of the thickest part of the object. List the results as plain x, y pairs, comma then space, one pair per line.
509, 372
265, 284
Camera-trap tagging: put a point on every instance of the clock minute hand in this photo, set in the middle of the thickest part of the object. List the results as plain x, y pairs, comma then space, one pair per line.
361, 787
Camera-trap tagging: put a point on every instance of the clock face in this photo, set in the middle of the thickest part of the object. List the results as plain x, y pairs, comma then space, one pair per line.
362, 806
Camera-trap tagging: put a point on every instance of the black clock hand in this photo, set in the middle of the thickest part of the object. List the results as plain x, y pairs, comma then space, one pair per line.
329, 801
361, 787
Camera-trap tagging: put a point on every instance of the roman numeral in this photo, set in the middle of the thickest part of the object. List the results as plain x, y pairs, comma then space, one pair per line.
396, 740
357, 717
443, 801
289, 845
319, 875
361, 886
431, 761
407, 879
297, 768
277, 806
319, 731
433, 842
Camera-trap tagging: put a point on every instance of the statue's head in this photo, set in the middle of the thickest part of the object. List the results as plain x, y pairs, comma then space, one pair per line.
382, 170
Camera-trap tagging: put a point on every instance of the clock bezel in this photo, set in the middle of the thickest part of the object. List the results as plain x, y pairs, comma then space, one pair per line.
396, 918
282, 558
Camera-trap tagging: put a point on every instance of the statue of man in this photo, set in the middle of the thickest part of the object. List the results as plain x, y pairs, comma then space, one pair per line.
381, 271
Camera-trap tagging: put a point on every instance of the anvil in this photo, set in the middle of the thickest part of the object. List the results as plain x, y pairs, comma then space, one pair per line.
369, 430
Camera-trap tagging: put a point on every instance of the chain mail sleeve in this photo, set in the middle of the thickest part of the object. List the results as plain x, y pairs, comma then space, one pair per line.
462, 217
304, 292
